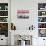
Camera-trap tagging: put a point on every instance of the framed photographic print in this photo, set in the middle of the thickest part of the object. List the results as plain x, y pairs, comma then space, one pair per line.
23, 14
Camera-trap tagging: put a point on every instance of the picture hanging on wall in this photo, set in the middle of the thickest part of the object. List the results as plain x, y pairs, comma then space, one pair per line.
23, 14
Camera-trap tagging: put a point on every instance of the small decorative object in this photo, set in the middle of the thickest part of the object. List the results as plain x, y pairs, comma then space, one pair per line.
42, 19
41, 25
43, 13
3, 19
45, 7
44, 39
4, 29
0, 7
6, 7
41, 8
3, 13
42, 32
13, 27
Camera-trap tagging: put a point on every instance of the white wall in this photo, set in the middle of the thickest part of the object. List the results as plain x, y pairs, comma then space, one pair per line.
23, 24
32, 6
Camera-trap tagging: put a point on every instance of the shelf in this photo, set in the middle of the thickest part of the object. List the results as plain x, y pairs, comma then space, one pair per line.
3, 10
42, 16
3, 22
4, 19
41, 22
41, 28
42, 19
3, 16
41, 10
